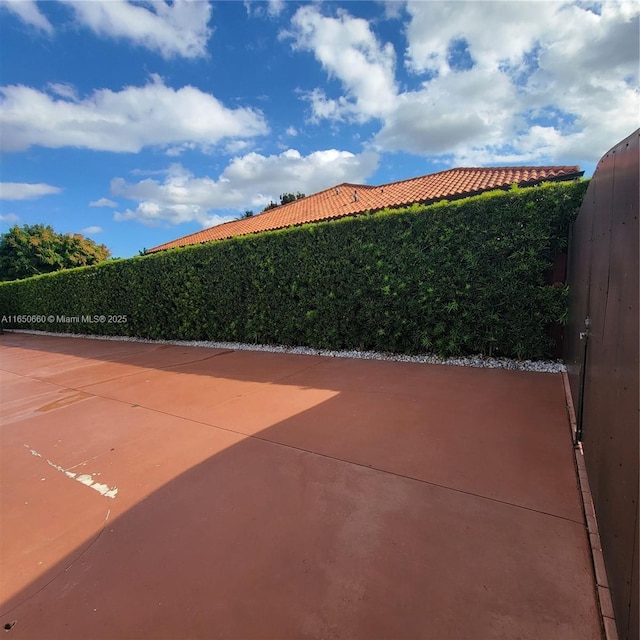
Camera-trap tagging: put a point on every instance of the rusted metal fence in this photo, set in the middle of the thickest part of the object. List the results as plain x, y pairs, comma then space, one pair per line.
601, 351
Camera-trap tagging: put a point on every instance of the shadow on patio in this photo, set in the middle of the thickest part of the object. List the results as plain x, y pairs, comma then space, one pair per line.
278, 496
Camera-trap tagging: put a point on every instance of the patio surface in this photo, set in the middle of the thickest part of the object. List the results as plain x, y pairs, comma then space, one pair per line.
248, 495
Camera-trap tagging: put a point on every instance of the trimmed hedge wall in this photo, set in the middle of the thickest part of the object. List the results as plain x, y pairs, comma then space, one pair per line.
453, 278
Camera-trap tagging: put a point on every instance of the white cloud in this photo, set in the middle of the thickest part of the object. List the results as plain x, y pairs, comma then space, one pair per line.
560, 83
28, 12
25, 190
178, 150
348, 50
451, 113
251, 181
270, 9
392, 9
275, 7
291, 131
435, 25
291, 172
179, 28
103, 202
236, 146
63, 89
11, 218
92, 230
172, 29
122, 121
537, 82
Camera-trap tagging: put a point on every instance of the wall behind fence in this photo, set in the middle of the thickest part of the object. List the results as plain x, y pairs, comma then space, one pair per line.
603, 371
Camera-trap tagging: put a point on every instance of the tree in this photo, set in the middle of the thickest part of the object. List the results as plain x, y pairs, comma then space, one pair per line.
285, 198
34, 249
247, 214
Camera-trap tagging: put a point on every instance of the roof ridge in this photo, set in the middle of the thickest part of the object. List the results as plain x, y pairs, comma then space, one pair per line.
439, 173
356, 185
517, 167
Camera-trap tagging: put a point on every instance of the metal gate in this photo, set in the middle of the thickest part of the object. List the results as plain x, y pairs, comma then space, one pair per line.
601, 352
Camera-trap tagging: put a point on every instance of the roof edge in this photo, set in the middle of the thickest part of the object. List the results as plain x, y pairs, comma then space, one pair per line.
577, 173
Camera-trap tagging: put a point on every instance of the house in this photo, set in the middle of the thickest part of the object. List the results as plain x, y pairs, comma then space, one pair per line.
353, 199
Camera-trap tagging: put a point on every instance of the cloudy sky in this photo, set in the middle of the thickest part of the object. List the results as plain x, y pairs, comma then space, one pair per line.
139, 122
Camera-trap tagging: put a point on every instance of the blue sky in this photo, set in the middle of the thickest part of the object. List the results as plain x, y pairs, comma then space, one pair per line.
137, 123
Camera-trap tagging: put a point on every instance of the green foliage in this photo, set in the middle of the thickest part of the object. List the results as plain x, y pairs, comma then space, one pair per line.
453, 278
35, 249
285, 198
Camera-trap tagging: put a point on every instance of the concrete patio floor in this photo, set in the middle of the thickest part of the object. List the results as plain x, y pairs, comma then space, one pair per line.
167, 492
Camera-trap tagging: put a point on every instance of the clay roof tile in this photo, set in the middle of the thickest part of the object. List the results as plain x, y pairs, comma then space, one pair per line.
339, 201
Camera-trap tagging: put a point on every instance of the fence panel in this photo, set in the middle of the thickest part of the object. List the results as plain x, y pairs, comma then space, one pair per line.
603, 276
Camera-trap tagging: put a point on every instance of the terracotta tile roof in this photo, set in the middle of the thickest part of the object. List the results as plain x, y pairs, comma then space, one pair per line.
351, 199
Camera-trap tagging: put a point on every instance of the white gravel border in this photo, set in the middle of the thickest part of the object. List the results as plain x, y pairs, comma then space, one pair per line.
484, 362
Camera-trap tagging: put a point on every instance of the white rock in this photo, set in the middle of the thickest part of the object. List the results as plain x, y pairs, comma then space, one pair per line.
484, 362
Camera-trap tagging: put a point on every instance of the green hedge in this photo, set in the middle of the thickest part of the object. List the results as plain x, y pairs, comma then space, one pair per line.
453, 278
